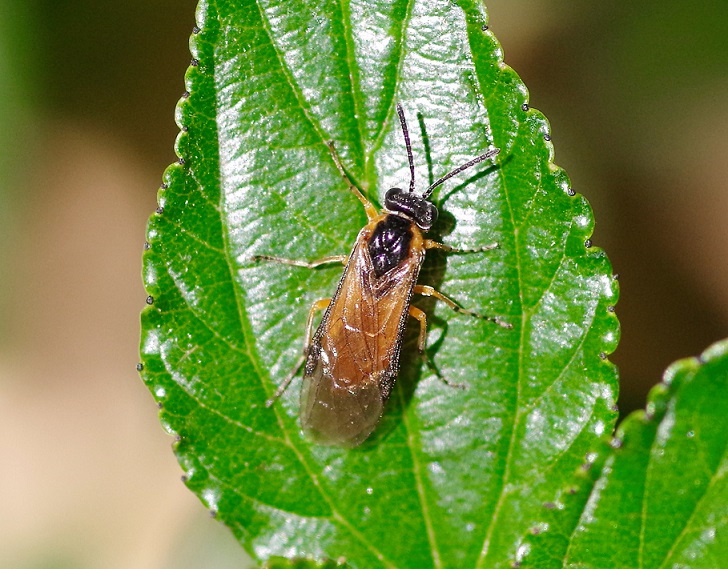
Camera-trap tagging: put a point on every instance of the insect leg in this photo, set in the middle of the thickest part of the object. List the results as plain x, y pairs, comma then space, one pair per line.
309, 265
286, 382
421, 317
317, 306
429, 291
368, 207
430, 244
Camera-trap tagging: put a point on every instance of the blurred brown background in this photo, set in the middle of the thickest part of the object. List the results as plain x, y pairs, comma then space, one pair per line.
636, 98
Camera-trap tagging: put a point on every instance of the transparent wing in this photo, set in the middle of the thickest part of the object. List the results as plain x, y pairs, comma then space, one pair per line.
354, 356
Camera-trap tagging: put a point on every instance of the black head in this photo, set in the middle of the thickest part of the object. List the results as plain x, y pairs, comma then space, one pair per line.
414, 206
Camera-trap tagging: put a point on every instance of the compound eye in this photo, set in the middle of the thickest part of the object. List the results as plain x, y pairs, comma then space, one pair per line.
427, 216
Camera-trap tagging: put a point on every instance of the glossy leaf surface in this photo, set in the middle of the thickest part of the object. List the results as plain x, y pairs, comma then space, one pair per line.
282, 563
451, 477
661, 496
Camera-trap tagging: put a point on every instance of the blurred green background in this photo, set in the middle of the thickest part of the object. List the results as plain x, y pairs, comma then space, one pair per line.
636, 98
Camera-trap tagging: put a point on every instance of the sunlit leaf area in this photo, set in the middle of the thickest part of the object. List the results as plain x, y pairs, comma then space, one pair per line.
156, 148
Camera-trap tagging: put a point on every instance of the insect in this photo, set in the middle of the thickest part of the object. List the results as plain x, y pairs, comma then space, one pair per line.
352, 360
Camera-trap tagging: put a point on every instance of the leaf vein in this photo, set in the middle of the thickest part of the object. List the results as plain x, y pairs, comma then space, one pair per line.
519, 379
716, 476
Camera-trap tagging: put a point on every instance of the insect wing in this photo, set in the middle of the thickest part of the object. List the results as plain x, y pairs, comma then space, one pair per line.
353, 359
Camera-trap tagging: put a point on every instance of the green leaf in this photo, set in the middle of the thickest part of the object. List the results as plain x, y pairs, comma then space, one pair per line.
660, 500
451, 477
282, 563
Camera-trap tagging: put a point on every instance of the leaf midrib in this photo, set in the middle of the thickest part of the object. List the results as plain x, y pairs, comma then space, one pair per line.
245, 327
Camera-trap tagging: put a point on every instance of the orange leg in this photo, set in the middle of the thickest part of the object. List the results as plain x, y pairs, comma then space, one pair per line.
430, 244
429, 291
317, 306
368, 207
421, 317
309, 265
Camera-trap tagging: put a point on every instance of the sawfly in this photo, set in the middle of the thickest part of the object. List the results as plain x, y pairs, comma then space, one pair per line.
352, 360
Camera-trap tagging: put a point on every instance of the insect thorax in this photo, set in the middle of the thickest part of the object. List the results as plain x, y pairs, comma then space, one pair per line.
389, 243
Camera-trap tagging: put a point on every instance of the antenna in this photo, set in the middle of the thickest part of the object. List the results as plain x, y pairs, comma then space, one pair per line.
456, 171
403, 122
